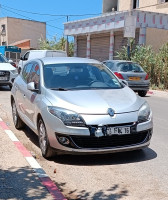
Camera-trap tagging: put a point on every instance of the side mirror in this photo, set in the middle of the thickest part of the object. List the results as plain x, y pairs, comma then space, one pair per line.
31, 87
21, 58
124, 82
19, 70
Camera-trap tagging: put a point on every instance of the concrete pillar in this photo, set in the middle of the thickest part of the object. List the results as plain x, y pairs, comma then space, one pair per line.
88, 46
111, 48
142, 36
75, 46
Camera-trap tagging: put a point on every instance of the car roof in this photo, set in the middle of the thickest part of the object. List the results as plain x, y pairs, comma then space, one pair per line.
51, 60
117, 61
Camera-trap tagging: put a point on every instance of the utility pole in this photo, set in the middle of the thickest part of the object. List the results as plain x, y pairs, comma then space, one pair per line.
67, 43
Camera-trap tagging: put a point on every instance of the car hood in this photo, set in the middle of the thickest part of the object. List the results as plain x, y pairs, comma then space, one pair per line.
96, 101
6, 67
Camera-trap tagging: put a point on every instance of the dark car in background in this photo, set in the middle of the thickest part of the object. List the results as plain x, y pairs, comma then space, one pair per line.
132, 72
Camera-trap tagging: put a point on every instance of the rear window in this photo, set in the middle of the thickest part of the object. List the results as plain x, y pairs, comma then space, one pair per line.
129, 67
111, 66
2, 59
55, 54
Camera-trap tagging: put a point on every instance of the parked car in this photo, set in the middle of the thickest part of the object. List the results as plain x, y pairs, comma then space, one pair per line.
7, 72
133, 73
33, 54
77, 105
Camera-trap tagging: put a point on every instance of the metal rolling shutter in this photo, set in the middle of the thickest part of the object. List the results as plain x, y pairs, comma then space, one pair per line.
100, 46
81, 46
120, 41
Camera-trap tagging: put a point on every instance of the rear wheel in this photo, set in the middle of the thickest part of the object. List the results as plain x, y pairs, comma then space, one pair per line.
19, 124
46, 150
142, 93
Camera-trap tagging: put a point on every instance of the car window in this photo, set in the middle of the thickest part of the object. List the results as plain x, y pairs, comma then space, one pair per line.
79, 76
26, 71
34, 75
26, 56
129, 67
2, 59
111, 66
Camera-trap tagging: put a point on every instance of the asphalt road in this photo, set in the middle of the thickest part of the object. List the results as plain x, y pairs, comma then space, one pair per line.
129, 176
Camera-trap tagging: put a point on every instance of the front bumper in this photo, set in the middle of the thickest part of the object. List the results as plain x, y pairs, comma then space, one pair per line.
83, 141
9, 76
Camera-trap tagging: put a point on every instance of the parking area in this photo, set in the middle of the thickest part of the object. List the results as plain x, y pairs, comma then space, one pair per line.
110, 176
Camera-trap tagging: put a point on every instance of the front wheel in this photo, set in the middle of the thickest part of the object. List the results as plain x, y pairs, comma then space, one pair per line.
142, 93
46, 150
19, 124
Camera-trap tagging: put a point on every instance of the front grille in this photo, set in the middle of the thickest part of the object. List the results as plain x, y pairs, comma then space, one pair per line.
111, 141
4, 74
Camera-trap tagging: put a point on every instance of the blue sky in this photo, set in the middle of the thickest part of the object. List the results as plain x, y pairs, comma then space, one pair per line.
24, 9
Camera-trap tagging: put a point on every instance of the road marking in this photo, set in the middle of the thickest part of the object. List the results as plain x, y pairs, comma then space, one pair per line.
33, 163
11, 135
43, 177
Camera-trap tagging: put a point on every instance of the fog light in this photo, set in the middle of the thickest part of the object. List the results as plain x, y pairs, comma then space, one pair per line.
64, 140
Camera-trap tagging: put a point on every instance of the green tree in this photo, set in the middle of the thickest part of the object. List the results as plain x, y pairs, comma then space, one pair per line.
53, 44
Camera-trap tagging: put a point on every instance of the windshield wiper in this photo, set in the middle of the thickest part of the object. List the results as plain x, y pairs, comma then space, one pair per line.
59, 89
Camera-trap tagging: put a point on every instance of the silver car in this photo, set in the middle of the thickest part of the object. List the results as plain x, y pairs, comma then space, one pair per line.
137, 78
77, 105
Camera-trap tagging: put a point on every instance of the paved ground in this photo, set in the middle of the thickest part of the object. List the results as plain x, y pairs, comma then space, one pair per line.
18, 180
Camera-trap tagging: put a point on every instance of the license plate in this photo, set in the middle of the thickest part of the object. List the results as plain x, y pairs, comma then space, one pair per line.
3, 78
134, 78
118, 130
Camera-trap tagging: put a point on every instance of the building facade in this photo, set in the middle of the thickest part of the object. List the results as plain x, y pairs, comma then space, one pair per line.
14, 30
101, 37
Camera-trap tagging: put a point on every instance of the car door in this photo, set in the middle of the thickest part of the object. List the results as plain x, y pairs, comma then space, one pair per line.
20, 87
32, 98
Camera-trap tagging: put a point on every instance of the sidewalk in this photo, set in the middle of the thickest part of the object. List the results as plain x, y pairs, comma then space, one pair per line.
21, 177
158, 93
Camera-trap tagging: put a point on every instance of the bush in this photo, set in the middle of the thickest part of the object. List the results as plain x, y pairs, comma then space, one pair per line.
155, 64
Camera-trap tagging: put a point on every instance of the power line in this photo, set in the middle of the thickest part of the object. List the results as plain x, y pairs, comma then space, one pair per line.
63, 15
31, 18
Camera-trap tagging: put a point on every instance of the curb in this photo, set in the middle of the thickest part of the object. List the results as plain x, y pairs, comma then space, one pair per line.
150, 92
43, 177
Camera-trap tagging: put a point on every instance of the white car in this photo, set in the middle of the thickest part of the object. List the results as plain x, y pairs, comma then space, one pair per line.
7, 72
33, 54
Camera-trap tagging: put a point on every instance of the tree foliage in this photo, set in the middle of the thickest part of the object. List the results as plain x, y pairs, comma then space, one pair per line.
53, 44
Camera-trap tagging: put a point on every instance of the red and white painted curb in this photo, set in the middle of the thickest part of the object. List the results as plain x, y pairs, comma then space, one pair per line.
43, 177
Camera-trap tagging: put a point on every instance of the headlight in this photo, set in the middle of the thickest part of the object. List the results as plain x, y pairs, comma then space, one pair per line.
144, 113
14, 72
68, 117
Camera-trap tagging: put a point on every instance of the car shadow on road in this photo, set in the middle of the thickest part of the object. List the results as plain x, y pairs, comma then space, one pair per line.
107, 159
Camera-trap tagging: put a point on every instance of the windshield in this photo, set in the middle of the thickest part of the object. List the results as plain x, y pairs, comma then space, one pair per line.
3, 59
77, 76
129, 67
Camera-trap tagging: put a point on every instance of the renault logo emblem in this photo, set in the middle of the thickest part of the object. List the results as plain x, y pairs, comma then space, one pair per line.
110, 112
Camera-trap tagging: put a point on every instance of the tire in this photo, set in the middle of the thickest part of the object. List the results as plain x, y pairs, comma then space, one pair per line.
142, 93
19, 124
46, 150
